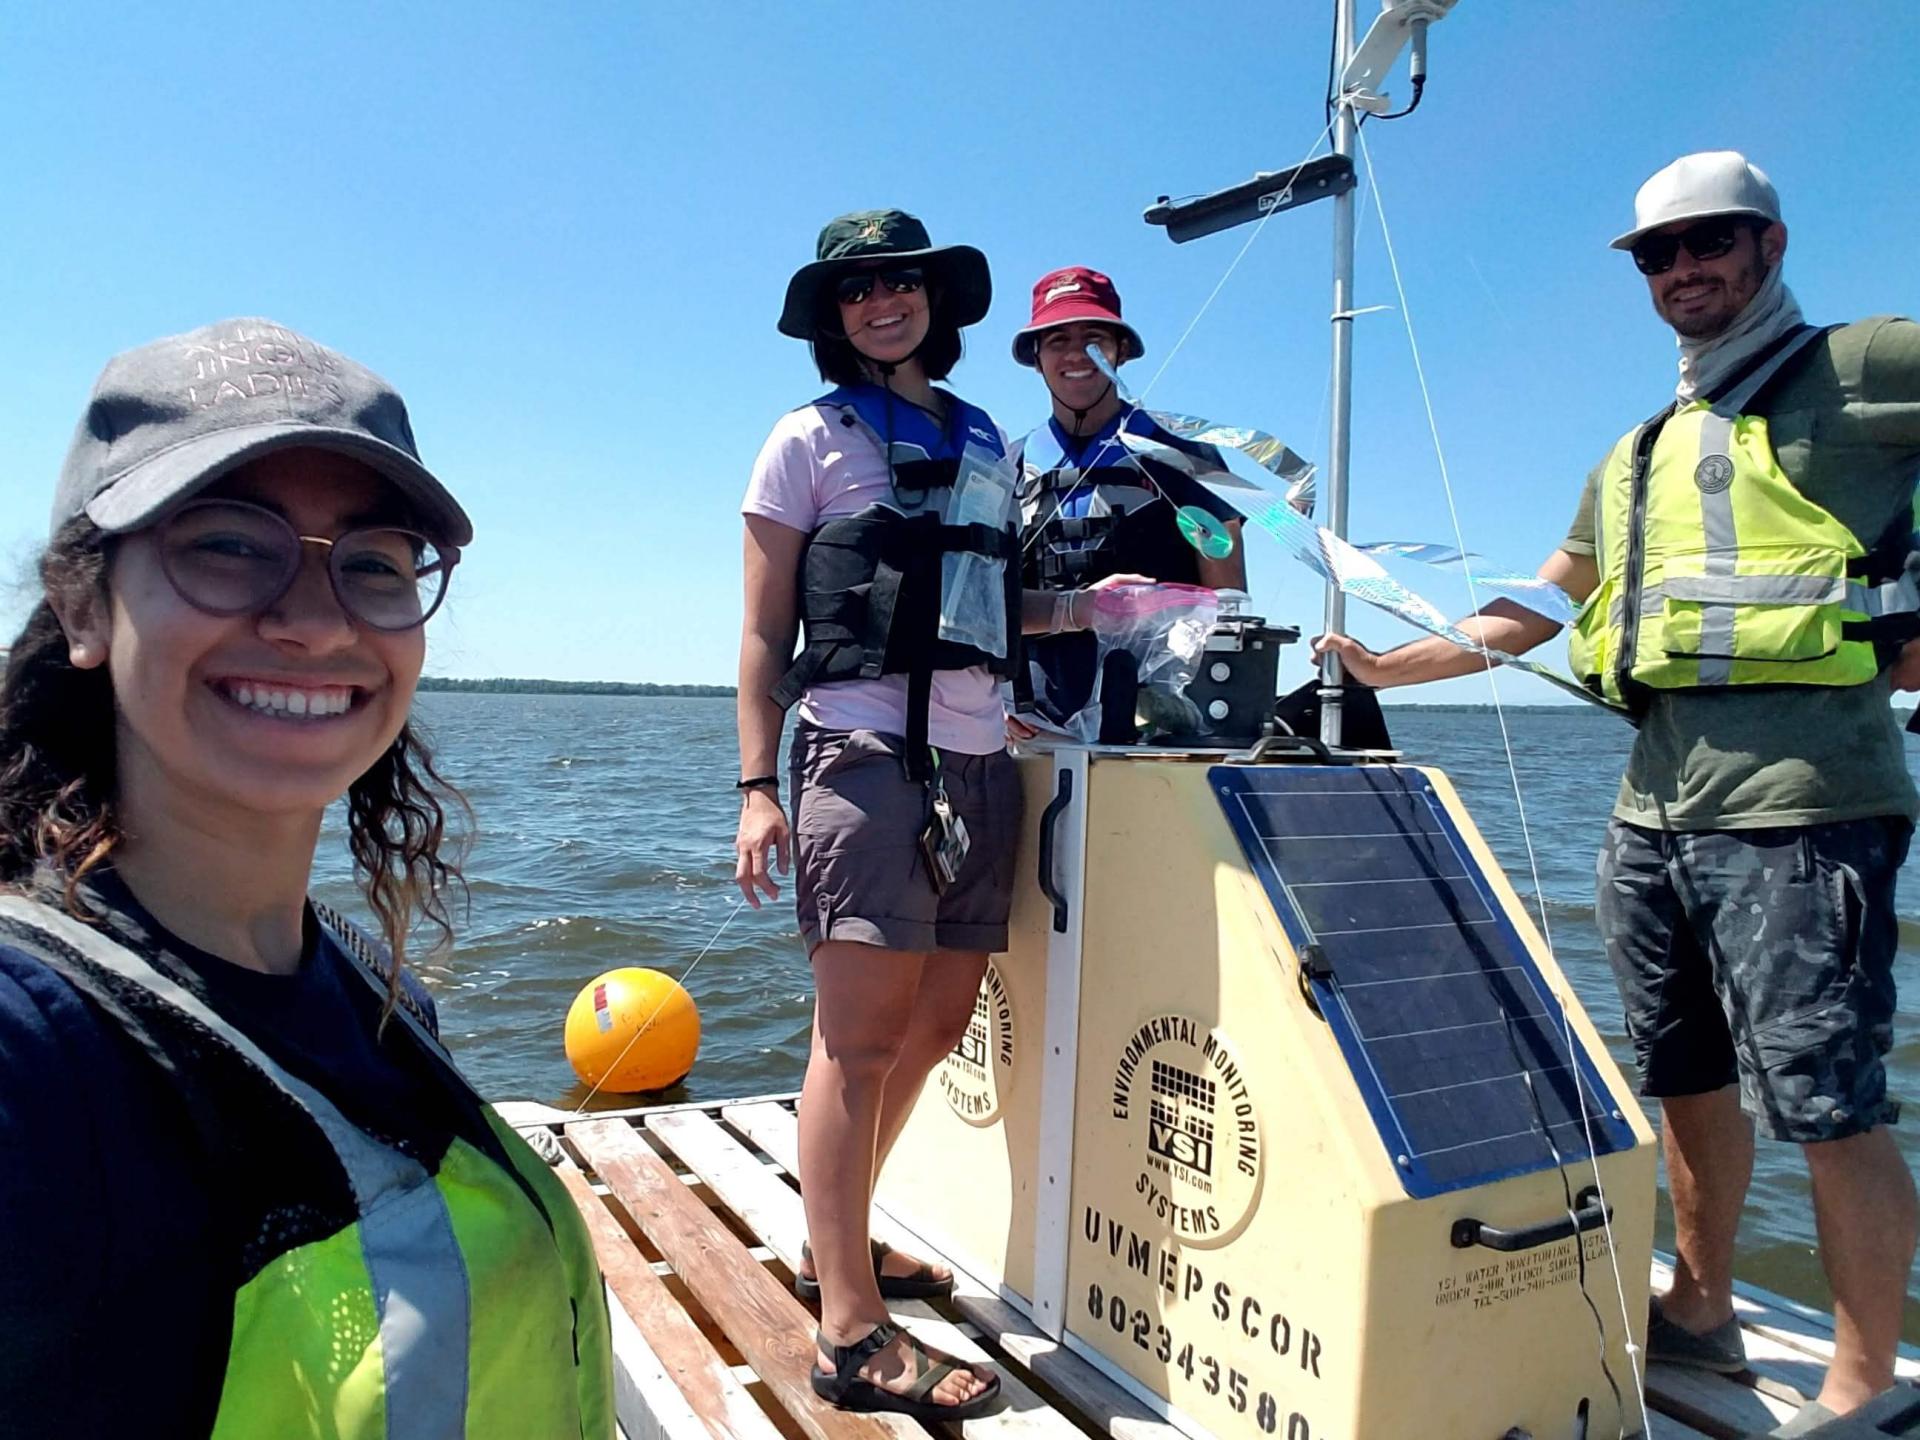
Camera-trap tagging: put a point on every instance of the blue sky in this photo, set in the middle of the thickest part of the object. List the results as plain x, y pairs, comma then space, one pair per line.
564, 232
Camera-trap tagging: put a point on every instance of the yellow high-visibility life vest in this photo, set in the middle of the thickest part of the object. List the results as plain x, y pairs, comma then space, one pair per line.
1715, 570
459, 1298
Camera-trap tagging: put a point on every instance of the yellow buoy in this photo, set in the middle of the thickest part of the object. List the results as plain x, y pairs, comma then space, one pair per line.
632, 1029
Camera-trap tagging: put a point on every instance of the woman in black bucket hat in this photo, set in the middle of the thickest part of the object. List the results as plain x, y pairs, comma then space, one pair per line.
868, 238
876, 513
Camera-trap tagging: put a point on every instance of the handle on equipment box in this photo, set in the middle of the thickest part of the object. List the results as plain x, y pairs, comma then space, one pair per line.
1590, 1214
1048, 886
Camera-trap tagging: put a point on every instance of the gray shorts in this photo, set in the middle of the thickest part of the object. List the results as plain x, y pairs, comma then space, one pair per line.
859, 873
1764, 956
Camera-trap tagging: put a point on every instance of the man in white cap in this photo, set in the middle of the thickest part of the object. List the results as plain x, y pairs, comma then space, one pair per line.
1746, 559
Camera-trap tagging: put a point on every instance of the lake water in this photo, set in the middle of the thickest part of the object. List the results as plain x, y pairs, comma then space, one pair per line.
604, 839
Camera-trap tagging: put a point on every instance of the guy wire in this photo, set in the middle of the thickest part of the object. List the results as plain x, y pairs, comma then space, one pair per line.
1526, 833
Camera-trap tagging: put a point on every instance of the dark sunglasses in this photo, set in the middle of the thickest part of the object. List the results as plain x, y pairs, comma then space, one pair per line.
227, 557
1706, 240
854, 288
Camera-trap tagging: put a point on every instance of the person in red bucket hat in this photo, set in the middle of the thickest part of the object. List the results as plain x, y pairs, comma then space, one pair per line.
1090, 506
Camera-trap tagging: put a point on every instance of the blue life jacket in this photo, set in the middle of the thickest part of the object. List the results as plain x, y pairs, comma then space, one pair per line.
1090, 507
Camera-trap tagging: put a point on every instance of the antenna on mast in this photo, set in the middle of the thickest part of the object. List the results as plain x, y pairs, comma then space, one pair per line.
1360, 67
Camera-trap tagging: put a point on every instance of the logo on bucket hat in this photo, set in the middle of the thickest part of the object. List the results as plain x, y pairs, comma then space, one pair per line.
1063, 296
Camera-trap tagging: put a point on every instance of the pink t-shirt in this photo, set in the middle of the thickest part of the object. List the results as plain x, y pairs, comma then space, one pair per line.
811, 469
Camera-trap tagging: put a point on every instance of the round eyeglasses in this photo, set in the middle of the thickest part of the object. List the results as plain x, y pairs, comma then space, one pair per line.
227, 557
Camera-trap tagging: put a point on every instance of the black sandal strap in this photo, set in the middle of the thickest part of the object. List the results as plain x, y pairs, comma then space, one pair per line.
928, 1373
847, 1359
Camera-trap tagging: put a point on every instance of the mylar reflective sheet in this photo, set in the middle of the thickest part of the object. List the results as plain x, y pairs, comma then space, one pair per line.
1359, 575
1204, 437
1543, 597
1288, 519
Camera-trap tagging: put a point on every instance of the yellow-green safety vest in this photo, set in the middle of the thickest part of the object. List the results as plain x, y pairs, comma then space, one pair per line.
461, 1304
1715, 570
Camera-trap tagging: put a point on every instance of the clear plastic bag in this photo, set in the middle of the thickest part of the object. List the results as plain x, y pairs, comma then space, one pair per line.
973, 593
1164, 628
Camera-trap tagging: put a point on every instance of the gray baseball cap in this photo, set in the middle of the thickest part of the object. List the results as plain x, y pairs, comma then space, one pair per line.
1711, 182
168, 419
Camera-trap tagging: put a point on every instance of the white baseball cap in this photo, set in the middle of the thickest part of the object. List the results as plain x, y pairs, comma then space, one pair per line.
1712, 182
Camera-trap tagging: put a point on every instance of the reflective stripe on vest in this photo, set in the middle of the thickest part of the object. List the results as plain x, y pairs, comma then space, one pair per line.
1715, 570
371, 1332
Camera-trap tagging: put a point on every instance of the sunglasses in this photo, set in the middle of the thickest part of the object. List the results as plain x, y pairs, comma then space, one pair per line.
1706, 240
854, 288
226, 557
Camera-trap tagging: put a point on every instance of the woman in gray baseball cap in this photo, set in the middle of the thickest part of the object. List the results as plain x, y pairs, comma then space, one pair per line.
239, 1168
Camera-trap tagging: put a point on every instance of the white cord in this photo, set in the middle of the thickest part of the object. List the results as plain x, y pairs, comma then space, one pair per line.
738, 906
1513, 773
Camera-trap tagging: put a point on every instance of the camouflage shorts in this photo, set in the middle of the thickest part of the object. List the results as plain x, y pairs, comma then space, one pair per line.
1764, 956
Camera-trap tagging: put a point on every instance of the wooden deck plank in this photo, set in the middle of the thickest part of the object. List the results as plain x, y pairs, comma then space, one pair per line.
772, 1210
1783, 1371
647, 1403
758, 1314
769, 1206
1668, 1427
1665, 1427
1717, 1404
687, 1392
771, 1126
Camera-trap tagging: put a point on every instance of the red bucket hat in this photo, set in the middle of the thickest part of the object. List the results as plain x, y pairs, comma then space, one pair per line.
1075, 293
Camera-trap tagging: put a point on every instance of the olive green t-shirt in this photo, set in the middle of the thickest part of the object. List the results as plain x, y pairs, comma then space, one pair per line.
1845, 425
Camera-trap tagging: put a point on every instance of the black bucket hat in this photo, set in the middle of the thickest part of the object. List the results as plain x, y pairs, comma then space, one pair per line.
966, 288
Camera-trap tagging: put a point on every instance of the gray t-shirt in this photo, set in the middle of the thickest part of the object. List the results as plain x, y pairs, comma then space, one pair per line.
1846, 428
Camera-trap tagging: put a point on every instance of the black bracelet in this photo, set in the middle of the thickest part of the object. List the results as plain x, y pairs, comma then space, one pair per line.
758, 782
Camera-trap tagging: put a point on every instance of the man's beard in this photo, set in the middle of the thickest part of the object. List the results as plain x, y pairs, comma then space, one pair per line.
1709, 324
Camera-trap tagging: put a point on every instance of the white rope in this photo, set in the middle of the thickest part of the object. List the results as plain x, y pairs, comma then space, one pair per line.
738, 906
1513, 773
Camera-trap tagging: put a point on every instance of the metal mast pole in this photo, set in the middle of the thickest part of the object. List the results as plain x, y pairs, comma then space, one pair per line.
1339, 439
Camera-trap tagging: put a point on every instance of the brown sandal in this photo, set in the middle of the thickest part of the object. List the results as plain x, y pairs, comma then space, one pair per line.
846, 1390
922, 1284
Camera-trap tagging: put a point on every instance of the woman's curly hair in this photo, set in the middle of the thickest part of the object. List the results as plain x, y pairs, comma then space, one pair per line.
58, 773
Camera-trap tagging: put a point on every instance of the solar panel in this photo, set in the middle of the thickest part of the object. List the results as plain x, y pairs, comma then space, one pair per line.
1459, 1049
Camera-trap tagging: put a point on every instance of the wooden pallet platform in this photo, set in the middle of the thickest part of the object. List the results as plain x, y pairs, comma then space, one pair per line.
697, 1219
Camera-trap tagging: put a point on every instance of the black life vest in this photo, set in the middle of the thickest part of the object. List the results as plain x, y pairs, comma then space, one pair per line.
870, 582
1080, 525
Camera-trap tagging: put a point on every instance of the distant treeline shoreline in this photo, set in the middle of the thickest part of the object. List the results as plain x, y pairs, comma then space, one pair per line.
508, 686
